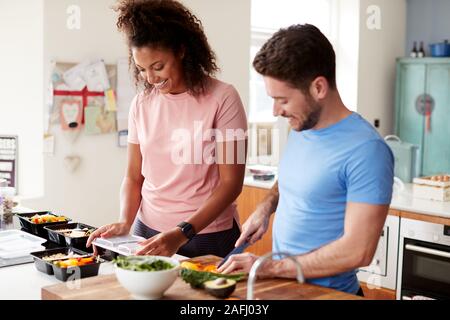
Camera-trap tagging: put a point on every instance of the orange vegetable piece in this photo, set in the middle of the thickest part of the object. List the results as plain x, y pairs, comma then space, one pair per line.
210, 268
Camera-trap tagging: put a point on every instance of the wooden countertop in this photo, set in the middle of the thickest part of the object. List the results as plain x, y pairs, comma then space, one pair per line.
107, 287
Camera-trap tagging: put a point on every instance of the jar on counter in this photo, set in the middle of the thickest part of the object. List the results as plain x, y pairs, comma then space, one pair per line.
7, 203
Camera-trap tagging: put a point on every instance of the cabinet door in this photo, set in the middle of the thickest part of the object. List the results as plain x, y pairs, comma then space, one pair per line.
246, 204
410, 87
436, 155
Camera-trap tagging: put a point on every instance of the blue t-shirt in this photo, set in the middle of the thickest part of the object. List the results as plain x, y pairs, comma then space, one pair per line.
320, 171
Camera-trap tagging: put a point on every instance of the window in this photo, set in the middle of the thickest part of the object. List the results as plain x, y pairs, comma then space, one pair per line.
267, 133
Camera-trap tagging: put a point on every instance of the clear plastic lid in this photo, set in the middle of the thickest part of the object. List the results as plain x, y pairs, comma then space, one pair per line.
16, 243
125, 245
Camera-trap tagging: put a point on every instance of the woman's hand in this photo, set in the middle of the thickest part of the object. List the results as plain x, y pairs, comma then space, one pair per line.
163, 244
107, 231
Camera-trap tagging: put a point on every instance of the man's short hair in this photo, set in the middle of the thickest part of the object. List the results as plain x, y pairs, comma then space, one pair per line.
297, 55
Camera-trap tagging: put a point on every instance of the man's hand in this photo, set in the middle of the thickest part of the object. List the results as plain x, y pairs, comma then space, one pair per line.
108, 231
244, 262
163, 244
254, 228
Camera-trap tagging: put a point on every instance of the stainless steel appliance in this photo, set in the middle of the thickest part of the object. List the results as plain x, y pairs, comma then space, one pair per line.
424, 261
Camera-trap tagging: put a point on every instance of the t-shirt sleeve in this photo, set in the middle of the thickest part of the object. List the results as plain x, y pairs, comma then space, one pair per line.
132, 130
231, 120
369, 174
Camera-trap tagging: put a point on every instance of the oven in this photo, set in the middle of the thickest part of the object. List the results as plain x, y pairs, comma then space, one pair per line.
424, 261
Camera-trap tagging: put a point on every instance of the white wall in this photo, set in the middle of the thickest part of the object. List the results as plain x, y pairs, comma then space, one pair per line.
91, 194
227, 26
346, 45
21, 103
377, 54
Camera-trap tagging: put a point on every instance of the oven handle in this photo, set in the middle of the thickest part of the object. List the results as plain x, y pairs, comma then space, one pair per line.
433, 252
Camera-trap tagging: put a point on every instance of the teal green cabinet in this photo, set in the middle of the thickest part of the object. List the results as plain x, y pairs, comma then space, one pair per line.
423, 110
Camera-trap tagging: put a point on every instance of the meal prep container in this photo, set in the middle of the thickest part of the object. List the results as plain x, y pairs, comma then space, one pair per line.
111, 248
47, 266
37, 228
63, 240
63, 274
89, 270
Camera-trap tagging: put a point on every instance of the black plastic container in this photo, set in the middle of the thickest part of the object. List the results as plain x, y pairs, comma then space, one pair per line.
47, 266
73, 273
106, 254
63, 240
37, 228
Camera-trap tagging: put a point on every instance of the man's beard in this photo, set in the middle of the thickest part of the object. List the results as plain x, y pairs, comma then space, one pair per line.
313, 117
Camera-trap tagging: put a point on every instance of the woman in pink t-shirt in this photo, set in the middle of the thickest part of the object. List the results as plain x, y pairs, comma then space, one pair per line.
186, 134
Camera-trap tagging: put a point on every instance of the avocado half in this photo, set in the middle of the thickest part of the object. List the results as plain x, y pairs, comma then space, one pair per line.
220, 287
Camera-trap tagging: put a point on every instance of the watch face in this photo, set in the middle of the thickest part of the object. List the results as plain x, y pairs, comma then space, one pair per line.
187, 229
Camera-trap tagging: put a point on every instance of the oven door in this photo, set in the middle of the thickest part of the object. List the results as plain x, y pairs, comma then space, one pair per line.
426, 270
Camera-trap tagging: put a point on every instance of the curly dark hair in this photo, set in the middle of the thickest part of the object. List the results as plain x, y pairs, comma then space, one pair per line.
298, 55
167, 24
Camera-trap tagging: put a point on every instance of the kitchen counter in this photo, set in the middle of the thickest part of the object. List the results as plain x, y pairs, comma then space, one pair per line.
107, 287
24, 282
249, 181
401, 200
404, 201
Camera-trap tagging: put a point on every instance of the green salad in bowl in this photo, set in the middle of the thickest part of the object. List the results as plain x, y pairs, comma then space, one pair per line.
146, 277
136, 263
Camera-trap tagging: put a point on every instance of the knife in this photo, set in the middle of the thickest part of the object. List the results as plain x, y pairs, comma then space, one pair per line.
236, 250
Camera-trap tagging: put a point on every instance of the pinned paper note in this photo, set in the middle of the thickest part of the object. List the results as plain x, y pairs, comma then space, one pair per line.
74, 77
90, 73
110, 100
96, 76
123, 138
49, 144
99, 121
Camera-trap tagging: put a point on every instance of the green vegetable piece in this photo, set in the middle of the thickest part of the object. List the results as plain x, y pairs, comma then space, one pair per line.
197, 278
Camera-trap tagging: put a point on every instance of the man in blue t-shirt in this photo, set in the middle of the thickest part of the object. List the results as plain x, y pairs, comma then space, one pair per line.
335, 176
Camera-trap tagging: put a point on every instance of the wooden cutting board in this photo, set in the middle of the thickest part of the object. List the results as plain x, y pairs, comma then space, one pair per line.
108, 288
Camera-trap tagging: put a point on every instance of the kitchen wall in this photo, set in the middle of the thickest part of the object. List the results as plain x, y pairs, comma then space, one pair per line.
428, 21
21, 87
378, 51
91, 194
347, 48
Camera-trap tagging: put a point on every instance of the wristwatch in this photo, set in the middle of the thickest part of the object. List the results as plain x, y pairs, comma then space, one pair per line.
187, 229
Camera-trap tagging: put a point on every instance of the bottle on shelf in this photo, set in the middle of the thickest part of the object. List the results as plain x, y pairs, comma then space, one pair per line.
414, 51
421, 53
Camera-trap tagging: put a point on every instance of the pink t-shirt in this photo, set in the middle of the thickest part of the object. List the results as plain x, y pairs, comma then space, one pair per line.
177, 135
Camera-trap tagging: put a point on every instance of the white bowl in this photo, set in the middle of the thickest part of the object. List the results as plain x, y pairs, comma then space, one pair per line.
148, 285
